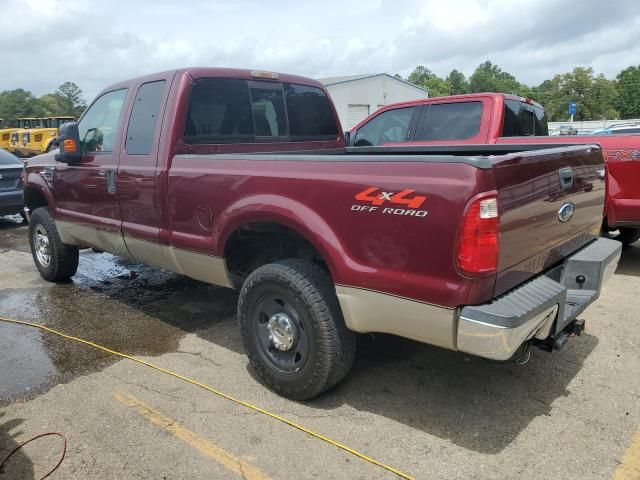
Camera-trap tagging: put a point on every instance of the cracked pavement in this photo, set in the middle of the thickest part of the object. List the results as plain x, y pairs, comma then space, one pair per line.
429, 412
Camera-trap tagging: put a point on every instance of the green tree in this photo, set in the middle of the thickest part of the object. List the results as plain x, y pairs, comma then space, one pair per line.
459, 83
71, 97
595, 95
17, 103
628, 88
425, 78
490, 78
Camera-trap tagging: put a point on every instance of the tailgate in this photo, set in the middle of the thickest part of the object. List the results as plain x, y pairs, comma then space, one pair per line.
551, 203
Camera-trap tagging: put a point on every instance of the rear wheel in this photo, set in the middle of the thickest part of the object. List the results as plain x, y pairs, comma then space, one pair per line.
293, 330
628, 235
55, 260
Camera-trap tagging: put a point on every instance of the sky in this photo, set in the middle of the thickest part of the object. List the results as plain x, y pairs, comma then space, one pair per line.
95, 43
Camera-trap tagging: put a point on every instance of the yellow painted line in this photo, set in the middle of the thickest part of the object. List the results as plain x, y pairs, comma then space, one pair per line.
228, 460
629, 468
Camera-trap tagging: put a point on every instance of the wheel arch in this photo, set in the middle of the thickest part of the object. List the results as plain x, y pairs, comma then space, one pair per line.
281, 217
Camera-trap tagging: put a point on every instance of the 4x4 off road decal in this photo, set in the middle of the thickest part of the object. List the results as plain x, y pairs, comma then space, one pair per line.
390, 203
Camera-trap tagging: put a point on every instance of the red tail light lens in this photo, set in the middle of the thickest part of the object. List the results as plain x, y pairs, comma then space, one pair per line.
479, 240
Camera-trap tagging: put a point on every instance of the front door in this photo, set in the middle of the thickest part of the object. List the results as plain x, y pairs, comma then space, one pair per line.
87, 210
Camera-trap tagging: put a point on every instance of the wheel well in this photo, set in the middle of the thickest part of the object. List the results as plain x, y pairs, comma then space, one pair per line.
260, 243
34, 199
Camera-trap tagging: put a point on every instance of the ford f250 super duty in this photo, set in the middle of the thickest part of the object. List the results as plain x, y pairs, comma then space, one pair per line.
496, 118
242, 179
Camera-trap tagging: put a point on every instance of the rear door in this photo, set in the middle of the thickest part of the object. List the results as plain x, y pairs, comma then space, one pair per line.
86, 193
139, 171
550, 203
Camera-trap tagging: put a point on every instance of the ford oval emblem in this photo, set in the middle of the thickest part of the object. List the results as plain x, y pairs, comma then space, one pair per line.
566, 212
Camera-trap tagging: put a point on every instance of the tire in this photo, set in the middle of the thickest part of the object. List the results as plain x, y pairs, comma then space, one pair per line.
628, 235
316, 348
55, 260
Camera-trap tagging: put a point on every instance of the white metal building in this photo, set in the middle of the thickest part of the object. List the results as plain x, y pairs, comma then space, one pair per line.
357, 96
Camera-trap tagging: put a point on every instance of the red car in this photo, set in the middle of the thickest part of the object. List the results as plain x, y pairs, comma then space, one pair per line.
496, 118
242, 179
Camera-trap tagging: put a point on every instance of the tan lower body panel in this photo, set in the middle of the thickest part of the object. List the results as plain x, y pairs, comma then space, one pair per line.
206, 268
107, 240
369, 311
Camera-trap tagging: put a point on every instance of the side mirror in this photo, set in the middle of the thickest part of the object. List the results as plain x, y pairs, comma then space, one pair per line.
69, 143
347, 139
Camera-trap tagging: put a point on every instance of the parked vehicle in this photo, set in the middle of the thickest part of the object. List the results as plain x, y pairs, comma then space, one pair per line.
242, 179
567, 130
20, 136
496, 118
620, 129
39, 139
10, 184
5, 135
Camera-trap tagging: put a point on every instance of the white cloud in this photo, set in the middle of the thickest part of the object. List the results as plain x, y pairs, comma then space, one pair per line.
97, 43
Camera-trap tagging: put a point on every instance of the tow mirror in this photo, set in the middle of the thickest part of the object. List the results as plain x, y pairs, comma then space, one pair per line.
69, 143
347, 139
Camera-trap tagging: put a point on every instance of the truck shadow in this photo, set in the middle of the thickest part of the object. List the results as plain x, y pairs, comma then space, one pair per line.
19, 466
630, 261
476, 404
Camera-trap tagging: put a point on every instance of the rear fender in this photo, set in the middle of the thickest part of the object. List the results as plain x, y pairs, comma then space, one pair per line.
291, 214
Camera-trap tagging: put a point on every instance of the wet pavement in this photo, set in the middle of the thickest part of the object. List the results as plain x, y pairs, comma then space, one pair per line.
431, 412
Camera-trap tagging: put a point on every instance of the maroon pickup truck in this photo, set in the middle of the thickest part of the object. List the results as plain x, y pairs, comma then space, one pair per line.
496, 118
242, 179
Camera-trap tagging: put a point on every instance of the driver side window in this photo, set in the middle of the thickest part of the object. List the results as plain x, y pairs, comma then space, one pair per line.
99, 125
389, 127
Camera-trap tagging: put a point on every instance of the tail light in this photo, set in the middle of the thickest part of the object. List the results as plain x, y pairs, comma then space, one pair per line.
479, 239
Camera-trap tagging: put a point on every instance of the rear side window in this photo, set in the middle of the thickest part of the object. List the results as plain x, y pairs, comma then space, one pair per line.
219, 112
144, 118
391, 126
310, 114
522, 119
227, 110
450, 121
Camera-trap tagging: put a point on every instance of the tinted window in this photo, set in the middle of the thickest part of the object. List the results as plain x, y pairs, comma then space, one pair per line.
219, 112
99, 124
450, 121
390, 126
310, 114
523, 119
144, 118
267, 105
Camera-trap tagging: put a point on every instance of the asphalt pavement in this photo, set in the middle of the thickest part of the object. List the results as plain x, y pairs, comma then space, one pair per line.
432, 413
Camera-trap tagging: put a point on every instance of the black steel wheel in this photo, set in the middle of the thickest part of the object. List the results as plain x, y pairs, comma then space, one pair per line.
293, 330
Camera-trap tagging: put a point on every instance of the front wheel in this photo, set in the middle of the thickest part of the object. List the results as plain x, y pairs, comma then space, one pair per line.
55, 260
293, 330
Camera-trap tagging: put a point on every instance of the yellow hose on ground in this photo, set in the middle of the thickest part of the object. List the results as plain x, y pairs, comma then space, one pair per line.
217, 392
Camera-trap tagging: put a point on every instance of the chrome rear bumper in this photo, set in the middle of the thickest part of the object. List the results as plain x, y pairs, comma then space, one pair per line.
540, 307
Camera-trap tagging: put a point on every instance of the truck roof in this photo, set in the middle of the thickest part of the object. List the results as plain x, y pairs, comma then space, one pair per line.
223, 72
465, 96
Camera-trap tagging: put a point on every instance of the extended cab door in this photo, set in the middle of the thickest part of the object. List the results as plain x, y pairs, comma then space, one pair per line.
139, 174
87, 210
